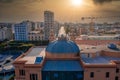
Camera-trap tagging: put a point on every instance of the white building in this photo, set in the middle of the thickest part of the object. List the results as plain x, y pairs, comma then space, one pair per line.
39, 25
5, 33
86, 37
36, 35
22, 30
48, 23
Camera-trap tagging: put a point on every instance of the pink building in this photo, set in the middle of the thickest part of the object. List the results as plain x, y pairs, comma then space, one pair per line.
97, 42
65, 60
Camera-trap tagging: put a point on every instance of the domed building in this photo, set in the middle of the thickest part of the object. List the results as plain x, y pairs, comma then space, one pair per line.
63, 59
62, 48
60, 60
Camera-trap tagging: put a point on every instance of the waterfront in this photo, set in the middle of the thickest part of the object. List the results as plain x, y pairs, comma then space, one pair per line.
6, 60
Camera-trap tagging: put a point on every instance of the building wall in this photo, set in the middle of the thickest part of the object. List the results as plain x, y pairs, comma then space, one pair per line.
89, 55
9, 34
111, 54
48, 23
6, 33
28, 70
22, 30
18, 67
118, 73
20, 33
2, 34
36, 37
61, 56
33, 71
99, 73
56, 28
97, 42
39, 25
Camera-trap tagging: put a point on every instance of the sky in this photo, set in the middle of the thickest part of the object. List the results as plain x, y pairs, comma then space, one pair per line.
64, 10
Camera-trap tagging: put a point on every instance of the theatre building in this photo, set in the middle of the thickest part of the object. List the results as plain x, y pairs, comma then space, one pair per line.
63, 59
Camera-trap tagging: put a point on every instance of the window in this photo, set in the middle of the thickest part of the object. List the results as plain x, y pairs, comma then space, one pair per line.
22, 72
79, 76
117, 70
107, 74
92, 74
33, 77
55, 75
116, 78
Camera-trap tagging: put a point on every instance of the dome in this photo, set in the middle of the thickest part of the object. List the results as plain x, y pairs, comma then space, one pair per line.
62, 46
112, 46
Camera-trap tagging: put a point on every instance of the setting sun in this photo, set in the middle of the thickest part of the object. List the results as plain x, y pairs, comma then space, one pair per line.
76, 2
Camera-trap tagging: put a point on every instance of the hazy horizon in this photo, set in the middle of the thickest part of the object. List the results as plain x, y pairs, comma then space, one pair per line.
18, 10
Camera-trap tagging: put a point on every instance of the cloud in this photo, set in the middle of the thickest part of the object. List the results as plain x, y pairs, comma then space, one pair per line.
103, 1
6, 1
11, 1
15, 3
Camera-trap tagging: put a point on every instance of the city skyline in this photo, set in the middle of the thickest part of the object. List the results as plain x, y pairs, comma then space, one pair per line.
16, 11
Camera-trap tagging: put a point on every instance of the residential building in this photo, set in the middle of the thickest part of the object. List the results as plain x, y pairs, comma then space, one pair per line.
72, 34
97, 40
52, 36
56, 28
6, 33
21, 31
48, 23
36, 35
39, 25
8, 25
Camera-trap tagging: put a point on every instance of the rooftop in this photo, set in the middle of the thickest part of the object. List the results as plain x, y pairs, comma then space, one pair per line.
94, 37
62, 65
62, 46
34, 32
100, 60
34, 53
94, 49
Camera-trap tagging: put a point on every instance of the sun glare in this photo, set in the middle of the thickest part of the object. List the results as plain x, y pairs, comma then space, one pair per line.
76, 2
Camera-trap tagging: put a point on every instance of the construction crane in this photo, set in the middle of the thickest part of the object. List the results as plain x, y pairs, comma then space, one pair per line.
91, 25
101, 17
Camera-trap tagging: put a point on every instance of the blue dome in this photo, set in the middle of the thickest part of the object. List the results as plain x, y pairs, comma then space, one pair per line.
112, 46
62, 46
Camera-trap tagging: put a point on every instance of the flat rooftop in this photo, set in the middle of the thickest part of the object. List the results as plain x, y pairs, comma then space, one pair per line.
33, 54
94, 49
62, 65
100, 60
35, 32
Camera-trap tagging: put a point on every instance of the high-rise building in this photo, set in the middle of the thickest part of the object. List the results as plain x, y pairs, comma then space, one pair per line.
22, 30
5, 33
48, 23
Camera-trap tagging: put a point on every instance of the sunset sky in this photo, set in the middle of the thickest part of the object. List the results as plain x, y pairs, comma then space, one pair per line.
65, 10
